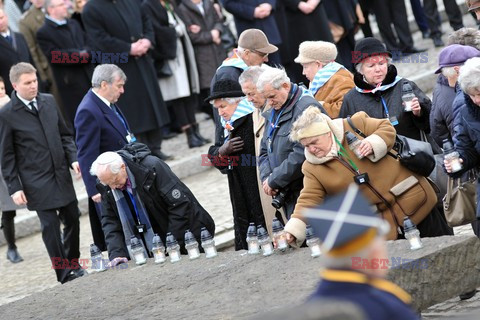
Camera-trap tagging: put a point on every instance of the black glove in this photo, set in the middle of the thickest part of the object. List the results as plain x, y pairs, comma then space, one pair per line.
231, 146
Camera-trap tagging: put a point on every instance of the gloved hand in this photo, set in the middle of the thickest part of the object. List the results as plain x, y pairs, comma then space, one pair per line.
231, 146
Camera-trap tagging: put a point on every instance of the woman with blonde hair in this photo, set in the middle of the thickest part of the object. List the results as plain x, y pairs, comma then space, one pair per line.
331, 166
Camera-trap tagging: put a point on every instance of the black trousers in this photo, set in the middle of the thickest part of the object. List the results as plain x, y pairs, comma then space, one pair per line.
184, 110
153, 139
70, 248
8, 226
453, 13
95, 217
390, 12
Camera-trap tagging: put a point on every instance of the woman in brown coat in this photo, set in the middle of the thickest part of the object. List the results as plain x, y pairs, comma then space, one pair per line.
331, 166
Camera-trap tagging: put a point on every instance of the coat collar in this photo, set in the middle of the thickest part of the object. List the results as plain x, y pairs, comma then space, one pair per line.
389, 78
193, 7
109, 114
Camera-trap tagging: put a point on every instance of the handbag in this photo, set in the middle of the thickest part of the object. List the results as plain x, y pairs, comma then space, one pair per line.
460, 202
416, 156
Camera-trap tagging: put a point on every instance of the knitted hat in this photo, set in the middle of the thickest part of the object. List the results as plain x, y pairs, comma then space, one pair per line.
368, 47
311, 123
255, 40
472, 4
310, 51
225, 88
455, 55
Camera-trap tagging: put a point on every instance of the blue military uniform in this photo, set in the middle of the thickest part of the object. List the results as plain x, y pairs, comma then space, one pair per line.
346, 225
380, 299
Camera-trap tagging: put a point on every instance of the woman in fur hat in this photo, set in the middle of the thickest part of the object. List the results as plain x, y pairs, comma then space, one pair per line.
331, 166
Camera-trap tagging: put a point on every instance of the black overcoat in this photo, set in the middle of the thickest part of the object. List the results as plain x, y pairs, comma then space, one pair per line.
112, 27
36, 153
242, 178
11, 54
73, 75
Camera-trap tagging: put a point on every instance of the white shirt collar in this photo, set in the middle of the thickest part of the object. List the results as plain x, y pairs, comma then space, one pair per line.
26, 102
102, 98
58, 22
7, 33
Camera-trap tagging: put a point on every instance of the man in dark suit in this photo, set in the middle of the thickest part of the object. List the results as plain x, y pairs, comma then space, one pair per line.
13, 49
64, 43
36, 151
100, 126
123, 34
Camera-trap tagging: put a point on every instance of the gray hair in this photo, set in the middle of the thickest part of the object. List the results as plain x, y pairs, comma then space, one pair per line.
449, 71
20, 68
107, 73
252, 74
469, 77
273, 76
465, 36
107, 160
47, 4
228, 100
359, 65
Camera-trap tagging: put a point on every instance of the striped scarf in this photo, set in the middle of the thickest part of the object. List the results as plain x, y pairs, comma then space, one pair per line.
323, 75
379, 86
234, 61
244, 108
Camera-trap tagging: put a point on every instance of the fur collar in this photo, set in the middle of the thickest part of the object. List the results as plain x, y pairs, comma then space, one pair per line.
389, 78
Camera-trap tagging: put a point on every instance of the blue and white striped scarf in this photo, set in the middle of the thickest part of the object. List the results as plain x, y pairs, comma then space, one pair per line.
244, 108
379, 87
323, 75
234, 62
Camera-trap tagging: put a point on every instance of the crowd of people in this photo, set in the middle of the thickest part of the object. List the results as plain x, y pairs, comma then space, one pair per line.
99, 98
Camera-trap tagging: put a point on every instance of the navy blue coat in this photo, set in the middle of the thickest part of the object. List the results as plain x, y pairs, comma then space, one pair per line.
378, 298
441, 115
242, 12
98, 130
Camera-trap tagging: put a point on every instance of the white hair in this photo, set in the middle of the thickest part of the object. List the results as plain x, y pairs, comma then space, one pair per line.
276, 77
469, 78
252, 74
359, 65
107, 160
228, 100
449, 71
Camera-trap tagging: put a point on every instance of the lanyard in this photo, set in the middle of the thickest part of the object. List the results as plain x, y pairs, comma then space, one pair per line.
345, 155
114, 108
385, 107
134, 203
273, 126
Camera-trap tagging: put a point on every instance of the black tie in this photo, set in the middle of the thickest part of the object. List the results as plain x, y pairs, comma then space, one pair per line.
33, 108
9, 39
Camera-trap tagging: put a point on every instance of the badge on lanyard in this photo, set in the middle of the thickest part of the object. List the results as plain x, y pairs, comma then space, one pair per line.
130, 137
393, 120
141, 228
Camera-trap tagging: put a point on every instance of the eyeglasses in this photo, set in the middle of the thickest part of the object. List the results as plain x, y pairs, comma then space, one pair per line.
261, 54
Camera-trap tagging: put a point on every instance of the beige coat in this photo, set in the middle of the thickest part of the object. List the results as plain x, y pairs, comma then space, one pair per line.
266, 200
332, 92
412, 196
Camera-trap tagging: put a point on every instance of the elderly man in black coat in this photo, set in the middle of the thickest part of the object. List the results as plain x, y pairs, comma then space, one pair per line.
122, 34
64, 43
142, 196
36, 151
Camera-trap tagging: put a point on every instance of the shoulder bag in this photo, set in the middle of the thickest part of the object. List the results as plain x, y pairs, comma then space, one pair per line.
460, 202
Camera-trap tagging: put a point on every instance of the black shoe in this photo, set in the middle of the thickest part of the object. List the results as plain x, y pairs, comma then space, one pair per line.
162, 155
426, 34
72, 275
14, 256
468, 295
437, 41
169, 135
80, 272
192, 139
196, 132
413, 50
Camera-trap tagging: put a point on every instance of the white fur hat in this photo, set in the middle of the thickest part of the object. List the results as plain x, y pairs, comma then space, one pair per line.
310, 51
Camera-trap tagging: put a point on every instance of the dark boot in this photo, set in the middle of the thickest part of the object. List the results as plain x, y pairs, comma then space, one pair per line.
196, 131
192, 139
8, 226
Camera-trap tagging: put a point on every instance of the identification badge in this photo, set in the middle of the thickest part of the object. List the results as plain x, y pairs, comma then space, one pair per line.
361, 178
393, 120
269, 145
141, 228
131, 138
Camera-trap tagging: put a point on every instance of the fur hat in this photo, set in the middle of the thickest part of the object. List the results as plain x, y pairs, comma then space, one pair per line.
311, 123
368, 47
310, 51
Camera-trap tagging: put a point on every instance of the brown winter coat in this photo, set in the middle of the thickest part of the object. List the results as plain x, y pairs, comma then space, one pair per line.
331, 93
324, 177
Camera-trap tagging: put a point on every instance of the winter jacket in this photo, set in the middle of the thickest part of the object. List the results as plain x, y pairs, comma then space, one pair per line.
332, 92
324, 177
408, 124
171, 206
441, 116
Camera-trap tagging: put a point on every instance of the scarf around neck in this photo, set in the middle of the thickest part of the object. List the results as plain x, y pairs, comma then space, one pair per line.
323, 75
244, 108
127, 218
391, 79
